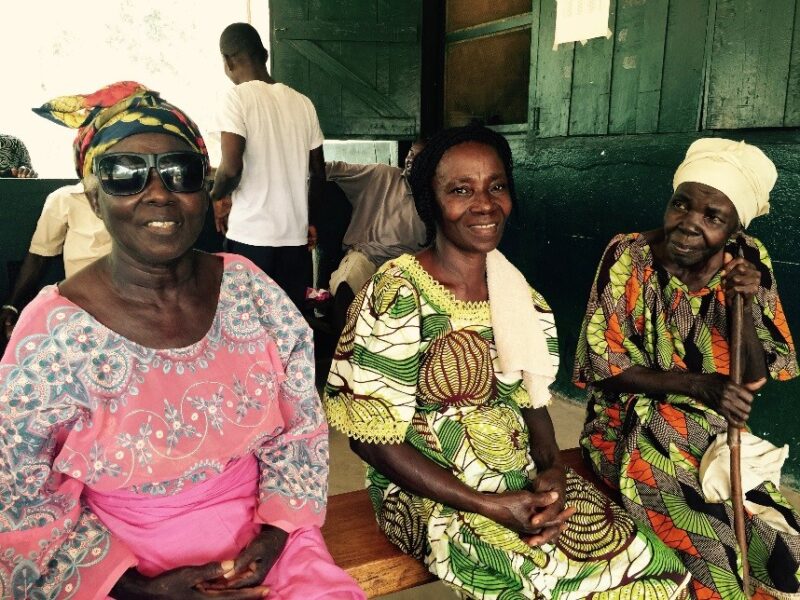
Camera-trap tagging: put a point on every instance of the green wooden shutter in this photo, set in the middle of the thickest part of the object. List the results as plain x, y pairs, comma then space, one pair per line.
357, 60
647, 77
750, 60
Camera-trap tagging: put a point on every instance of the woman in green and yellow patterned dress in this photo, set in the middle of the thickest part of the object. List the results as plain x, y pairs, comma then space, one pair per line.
464, 470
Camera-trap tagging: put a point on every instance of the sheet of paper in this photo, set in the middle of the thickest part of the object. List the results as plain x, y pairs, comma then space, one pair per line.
581, 20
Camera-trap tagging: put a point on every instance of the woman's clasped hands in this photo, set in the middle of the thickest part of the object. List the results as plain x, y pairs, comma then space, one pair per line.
537, 513
234, 579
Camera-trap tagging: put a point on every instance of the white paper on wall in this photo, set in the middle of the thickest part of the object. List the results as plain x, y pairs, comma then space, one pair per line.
581, 20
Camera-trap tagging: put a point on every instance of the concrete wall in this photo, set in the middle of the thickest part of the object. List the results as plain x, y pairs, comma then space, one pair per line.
576, 193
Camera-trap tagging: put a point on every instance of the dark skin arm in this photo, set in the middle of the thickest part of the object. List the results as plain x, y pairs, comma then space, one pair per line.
528, 512
316, 186
551, 476
238, 579
716, 391
228, 175
33, 265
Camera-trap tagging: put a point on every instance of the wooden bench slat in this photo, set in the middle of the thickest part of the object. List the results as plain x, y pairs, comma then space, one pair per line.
359, 546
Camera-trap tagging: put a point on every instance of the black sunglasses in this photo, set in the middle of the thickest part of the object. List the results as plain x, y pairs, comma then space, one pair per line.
126, 173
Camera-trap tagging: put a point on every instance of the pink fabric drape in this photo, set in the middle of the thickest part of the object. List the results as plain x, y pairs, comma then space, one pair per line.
213, 521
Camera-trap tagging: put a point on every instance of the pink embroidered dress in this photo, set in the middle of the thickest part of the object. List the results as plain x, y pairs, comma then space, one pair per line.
93, 425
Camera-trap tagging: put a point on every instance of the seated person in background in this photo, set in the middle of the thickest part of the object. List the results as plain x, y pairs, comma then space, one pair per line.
161, 433
14, 158
384, 224
654, 354
67, 226
441, 381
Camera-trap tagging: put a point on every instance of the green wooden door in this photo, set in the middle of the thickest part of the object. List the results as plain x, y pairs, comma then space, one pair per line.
751, 57
357, 60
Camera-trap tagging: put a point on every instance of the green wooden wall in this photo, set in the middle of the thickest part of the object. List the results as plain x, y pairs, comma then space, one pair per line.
576, 193
669, 66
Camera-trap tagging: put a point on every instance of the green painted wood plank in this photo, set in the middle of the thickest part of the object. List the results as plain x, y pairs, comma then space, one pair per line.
591, 85
359, 88
288, 10
490, 28
326, 92
342, 10
510, 128
362, 60
352, 82
637, 69
533, 108
351, 32
398, 66
286, 65
553, 76
684, 64
380, 128
791, 116
751, 53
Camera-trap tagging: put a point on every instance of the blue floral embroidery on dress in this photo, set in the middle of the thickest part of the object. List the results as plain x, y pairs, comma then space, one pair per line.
74, 367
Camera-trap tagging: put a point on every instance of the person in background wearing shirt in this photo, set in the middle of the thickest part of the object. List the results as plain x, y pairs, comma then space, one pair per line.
67, 226
272, 165
384, 224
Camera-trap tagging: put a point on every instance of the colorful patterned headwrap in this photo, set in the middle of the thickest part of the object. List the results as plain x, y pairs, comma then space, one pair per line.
115, 112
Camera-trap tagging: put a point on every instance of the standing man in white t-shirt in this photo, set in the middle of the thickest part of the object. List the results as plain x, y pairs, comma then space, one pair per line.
272, 165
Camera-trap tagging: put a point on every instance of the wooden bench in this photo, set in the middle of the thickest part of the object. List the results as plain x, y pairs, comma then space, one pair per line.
360, 548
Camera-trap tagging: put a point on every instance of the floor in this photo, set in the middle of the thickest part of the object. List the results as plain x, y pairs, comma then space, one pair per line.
347, 474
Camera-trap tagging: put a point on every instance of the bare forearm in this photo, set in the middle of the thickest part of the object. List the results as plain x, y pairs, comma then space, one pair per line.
316, 188
29, 274
542, 435
316, 181
641, 380
131, 586
224, 183
754, 361
412, 471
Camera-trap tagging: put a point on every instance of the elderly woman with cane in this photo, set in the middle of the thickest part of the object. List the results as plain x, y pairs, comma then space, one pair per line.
655, 354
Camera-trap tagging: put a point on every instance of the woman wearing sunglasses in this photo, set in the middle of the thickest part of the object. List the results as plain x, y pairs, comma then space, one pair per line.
160, 433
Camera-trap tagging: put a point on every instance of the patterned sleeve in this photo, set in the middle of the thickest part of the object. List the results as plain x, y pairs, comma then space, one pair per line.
52, 545
293, 464
372, 386
611, 338
770, 320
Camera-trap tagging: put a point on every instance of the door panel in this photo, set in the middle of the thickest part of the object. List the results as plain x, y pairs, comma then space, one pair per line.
357, 60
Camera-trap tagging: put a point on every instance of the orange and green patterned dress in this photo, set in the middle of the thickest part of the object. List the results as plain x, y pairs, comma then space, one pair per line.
650, 446
416, 365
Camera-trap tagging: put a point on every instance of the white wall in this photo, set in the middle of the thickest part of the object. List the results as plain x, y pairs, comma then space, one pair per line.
52, 49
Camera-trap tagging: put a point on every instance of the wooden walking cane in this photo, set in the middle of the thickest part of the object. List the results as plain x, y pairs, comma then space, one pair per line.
734, 441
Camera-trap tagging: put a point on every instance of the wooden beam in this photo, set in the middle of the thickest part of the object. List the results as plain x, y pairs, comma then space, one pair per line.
346, 32
490, 28
349, 80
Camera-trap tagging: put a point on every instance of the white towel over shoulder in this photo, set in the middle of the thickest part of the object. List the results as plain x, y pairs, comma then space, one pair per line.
518, 333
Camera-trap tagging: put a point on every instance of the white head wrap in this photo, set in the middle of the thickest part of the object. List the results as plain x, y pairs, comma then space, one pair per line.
740, 171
